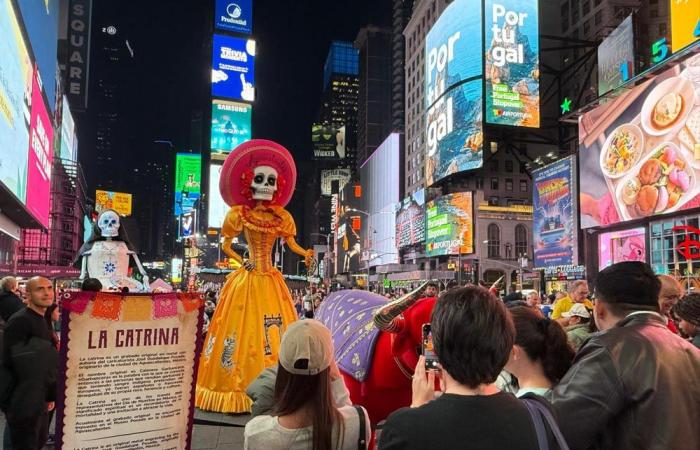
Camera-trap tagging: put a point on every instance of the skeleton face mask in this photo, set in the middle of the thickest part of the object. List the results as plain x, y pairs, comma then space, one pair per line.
108, 223
264, 184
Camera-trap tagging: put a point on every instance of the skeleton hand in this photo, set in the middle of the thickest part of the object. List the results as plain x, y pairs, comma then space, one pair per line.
308, 258
248, 265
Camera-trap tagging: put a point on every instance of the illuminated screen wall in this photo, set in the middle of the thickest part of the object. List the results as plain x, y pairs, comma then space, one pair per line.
118, 201
230, 126
453, 88
616, 57
236, 15
328, 141
349, 244
410, 220
512, 84
216, 206
233, 68
188, 179
685, 23
638, 154
621, 246
40, 158
449, 227
69, 140
330, 176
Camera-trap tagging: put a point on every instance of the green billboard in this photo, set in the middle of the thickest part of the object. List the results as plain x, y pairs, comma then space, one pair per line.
230, 126
188, 180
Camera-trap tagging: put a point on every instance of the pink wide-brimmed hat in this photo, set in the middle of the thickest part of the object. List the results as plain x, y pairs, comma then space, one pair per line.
246, 157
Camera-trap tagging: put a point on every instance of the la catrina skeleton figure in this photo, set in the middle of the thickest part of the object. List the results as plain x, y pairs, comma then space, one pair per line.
255, 306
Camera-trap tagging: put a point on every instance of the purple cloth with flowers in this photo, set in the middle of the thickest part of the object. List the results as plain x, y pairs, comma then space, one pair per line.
349, 315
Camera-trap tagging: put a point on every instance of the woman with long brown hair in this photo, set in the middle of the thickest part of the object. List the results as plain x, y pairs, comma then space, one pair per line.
305, 415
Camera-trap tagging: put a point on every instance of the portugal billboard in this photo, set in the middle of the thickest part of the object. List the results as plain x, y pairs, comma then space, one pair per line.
450, 225
233, 68
188, 179
234, 15
230, 126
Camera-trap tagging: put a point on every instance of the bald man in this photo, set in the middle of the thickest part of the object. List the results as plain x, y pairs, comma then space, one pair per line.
671, 291
29, 355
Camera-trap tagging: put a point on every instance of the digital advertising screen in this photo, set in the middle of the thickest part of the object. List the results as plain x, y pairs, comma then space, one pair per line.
331, 176
176, 270
453, 87
555, 220
233, 68
328, 141
40, 157
685, 23
236, 16
410, 220
512, 69
449, 225
15, 103
349, 228
117, 201
216, 206
188, 180
230, 126
69, 141
639, 154
616, 57
187, 225
621, 246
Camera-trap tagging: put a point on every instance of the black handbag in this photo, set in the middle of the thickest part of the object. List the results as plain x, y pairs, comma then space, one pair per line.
362, 439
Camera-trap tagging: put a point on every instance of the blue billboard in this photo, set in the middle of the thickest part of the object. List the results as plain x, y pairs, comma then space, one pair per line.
234, 15
233, 63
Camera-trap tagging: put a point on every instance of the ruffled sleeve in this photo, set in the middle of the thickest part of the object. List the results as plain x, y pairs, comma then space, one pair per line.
233, 223
287, 228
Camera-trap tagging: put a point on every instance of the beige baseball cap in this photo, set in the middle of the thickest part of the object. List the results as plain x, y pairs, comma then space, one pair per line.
578, 309
307, 348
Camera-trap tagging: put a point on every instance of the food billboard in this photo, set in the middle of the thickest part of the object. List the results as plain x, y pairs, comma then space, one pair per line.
639, 154
449, 228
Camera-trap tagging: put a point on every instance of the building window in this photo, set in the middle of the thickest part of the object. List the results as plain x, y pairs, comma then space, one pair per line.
479, 183
494, 165
494, 241
523, 169
509, 184
662, 29
586, 7
494, 184
523, 185
520, 240
509, 166
586, 27
598, 17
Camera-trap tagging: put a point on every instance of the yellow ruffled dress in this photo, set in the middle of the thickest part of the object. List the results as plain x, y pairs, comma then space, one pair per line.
253, 310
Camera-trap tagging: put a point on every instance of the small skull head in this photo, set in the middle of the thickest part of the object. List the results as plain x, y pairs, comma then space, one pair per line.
108, 223
264, 184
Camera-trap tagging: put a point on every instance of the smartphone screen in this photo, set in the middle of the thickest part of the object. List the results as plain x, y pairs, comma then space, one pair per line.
431, 360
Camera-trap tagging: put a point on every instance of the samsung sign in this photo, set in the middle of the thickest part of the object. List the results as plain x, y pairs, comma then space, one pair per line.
236, 15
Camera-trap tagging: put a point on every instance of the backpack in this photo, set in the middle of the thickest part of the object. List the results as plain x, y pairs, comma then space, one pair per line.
538, 412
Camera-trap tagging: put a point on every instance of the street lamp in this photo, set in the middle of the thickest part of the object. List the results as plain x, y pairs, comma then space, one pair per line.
326, 256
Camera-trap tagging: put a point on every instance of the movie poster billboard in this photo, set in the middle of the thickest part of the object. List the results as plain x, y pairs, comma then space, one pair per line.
216, 207
40, 159
116, 201
128, 370
555, 220
230, 126
233, 68
187, 225
616, 57
331, 176
410, 220
234, 15
450, 225
621, 246
639, 154
685, 23
453, 88
188, 180
512, 67
349, 228
328, 141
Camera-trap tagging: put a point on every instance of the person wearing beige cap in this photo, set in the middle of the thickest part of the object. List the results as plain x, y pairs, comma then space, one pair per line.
305, 415
579, 319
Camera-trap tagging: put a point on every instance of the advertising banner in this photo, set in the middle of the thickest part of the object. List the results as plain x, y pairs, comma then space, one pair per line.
640, 153
450, 225
685, 23
230, 126
40, 157
77, 67
410, 220
234, 15
621, 246
616, 57
216, 206
453, 87
176, 270
328, 141
512, 73
349, 241
15, 90
128, 368
188, 180
233, 68
342, 176
555, 220
117, 201
188, 225
69, 142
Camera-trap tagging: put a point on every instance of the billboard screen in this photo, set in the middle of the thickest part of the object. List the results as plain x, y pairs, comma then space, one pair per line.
233, 68
512, 69
69, 141
118, 201
328, 177
230, 126
555, 220
639, 154
216, 206
188, 179
40, 157
234, 15
410, 220
15, 100
616, 57
685, 23
621, 246
449, 227
187, 225
328, 141
176, 270
453, 87
349, 226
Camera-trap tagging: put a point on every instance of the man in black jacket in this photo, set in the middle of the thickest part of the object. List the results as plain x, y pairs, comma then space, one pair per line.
31, 358
10, 302
635, 385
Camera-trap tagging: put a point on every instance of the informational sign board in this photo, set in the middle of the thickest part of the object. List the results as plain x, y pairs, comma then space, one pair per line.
234, 15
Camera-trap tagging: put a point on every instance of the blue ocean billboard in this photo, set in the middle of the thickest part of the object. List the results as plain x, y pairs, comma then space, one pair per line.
234, 15
233, 64
555, 219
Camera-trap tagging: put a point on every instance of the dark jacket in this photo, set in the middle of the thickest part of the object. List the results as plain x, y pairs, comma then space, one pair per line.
9, 304
635, 386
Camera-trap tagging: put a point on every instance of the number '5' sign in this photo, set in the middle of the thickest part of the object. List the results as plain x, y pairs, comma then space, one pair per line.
659, 50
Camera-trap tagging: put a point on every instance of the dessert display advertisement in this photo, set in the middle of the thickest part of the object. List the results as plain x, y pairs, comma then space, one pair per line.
639, 154
128, 370
555, 221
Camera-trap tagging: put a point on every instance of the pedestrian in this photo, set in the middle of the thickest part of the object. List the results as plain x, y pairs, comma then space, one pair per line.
634, 385
688, 311
533, 299
10, 301
32, 360
304, 413
578, 293
577, 325
671, 292
91, 285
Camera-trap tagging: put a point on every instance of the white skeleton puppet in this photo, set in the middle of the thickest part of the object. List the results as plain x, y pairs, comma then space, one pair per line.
105, 256
264, 184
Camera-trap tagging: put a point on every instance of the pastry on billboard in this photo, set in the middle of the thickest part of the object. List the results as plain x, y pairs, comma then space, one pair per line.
650, 171
679, 178
646, 200
622, 150
630, 190
667, 110
662, 202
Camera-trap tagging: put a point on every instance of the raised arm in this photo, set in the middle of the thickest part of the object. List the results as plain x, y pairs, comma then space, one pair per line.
299, 250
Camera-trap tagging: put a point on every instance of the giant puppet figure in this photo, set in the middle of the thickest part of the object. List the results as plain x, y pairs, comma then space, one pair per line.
255, 306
